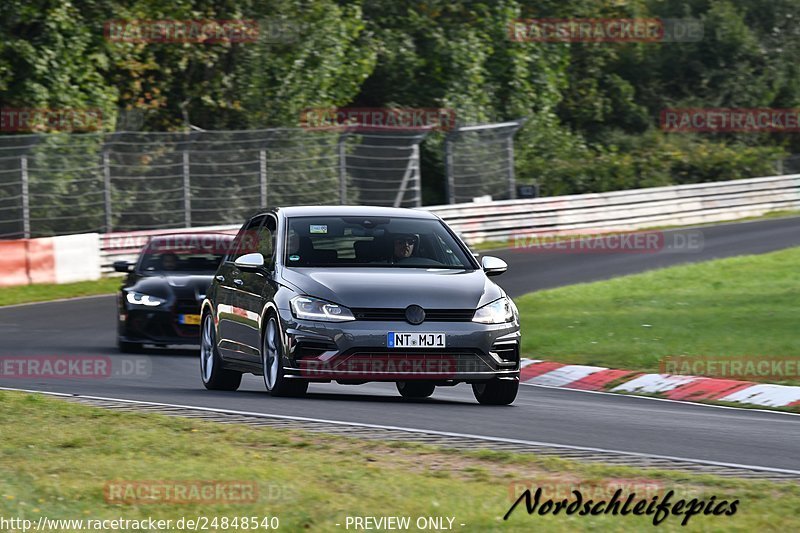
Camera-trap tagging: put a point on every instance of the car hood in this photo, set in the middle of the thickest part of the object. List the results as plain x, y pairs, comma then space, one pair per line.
396, 287
183, 287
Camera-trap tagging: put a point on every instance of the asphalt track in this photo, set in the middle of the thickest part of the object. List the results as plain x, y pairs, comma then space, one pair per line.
558, 416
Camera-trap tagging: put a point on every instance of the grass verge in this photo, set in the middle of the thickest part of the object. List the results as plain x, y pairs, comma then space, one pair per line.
57, 457
42, 292
742, 307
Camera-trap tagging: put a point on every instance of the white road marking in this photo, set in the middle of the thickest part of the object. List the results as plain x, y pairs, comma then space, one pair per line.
424, 431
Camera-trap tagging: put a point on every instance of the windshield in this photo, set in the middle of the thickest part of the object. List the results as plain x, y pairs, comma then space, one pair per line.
161, 260
372, 242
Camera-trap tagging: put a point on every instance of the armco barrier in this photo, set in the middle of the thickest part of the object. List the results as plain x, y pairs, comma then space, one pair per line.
625, 210
50, 260
76, 257
617, 210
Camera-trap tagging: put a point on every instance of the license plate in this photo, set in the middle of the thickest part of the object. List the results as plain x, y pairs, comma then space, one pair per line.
415, 340
192, 320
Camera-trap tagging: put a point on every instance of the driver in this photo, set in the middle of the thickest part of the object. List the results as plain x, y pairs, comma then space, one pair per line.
404, 245
169, 261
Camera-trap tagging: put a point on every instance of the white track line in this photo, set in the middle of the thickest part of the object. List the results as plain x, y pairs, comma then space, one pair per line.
75, 298
416, 430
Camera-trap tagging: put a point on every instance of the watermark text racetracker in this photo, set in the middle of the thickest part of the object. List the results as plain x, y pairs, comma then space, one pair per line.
50, 119
203, 31
741, 120
216, 243
587, 241
605, 30
184, 491
379, 119
74, 367
758, 368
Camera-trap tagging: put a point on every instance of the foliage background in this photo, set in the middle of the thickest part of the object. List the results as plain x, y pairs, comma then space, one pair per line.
592, 108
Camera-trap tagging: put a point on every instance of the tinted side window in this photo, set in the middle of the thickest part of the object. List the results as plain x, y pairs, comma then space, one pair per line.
265, 242
246, 240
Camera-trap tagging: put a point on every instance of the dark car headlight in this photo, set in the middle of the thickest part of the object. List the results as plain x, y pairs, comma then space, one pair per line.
496, 312
138, 298
308, 308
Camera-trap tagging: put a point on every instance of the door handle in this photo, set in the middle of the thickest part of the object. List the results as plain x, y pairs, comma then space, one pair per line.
238, 282
220, 278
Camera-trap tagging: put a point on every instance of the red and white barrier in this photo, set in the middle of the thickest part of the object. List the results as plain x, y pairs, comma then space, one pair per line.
61, 259
673, 387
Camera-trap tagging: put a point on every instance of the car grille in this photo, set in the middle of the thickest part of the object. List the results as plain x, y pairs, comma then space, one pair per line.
187, 307
457, 361
431, 315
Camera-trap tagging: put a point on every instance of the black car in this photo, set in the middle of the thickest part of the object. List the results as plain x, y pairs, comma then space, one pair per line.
358, 294
159, 302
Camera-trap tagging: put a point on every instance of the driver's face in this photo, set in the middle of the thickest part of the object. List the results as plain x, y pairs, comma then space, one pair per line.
169, 262
403, 247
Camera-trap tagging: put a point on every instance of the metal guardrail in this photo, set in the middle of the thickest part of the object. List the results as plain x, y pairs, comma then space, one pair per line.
623, 210
618, 210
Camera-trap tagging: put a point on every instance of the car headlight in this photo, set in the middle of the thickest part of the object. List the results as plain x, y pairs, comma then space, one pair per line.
308, 308
137, 298
497, 312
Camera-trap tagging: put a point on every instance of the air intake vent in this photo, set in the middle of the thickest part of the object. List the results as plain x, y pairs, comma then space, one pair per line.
507, 351
431, 315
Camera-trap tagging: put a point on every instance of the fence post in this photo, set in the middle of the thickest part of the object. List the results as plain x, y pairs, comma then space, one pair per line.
448, 168
407, 176
187, 191
342, 169
417, 177
26, 208
262, 174
107, 189
512, 185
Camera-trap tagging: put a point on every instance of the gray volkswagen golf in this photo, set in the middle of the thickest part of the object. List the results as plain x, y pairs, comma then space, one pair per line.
358, 294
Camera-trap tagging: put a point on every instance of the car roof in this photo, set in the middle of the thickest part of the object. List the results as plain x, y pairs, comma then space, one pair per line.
353, 210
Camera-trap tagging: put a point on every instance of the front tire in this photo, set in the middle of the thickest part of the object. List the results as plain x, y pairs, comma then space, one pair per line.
214, 375
496, 391
415, 389
276, 382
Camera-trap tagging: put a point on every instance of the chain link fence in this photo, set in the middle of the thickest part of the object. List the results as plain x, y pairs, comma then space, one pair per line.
789, 165
479, 162
60, 184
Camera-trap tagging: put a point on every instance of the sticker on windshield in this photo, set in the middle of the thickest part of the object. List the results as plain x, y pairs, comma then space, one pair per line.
294, 258
318, 228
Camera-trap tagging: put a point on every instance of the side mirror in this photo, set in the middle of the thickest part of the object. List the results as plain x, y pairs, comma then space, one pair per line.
250, 262
493, 266
123, 266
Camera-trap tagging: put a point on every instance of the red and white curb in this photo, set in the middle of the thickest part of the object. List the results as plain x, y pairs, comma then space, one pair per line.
673, 387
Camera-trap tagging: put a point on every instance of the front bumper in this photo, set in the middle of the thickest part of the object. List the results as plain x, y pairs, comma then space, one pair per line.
161, 326
357, 351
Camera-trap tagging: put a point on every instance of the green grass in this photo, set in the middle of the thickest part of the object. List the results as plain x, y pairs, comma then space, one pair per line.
730, 308
56, 457
42, 292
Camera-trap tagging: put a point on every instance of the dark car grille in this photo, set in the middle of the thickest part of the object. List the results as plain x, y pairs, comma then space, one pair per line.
455, 360
431, 315
187, 307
